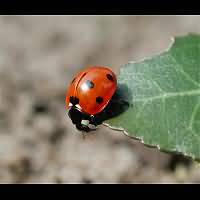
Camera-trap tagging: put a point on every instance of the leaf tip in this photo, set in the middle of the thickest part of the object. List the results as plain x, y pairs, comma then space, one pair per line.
179, 40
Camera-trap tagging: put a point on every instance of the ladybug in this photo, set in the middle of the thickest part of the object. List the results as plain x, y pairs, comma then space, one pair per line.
89, 94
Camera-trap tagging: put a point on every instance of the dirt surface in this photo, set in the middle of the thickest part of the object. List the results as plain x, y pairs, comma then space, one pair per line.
39, 56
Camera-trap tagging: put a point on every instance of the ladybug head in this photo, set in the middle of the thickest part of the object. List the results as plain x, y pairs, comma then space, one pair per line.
78, 117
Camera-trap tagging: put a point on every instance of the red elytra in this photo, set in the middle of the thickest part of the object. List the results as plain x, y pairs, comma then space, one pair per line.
94, 87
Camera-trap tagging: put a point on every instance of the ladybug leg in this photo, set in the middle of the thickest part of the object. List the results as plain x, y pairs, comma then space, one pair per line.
82, 127
96, 119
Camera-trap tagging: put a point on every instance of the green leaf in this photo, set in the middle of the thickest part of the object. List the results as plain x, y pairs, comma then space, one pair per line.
164, 99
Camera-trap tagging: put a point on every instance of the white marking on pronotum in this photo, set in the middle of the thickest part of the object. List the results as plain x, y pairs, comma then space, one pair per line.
78, 106
70, 104
85, 122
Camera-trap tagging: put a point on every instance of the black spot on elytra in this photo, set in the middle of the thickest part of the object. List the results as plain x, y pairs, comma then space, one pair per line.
74, 100
110, 77
90, 84
118, 104
99, 100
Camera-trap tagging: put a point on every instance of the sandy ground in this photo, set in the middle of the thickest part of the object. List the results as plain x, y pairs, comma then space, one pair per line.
39, 55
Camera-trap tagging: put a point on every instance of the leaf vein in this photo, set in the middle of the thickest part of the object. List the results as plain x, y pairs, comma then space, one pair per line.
170, 95
181, 70
193, 115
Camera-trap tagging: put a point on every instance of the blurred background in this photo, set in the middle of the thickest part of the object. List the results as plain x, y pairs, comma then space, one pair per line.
39, 55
